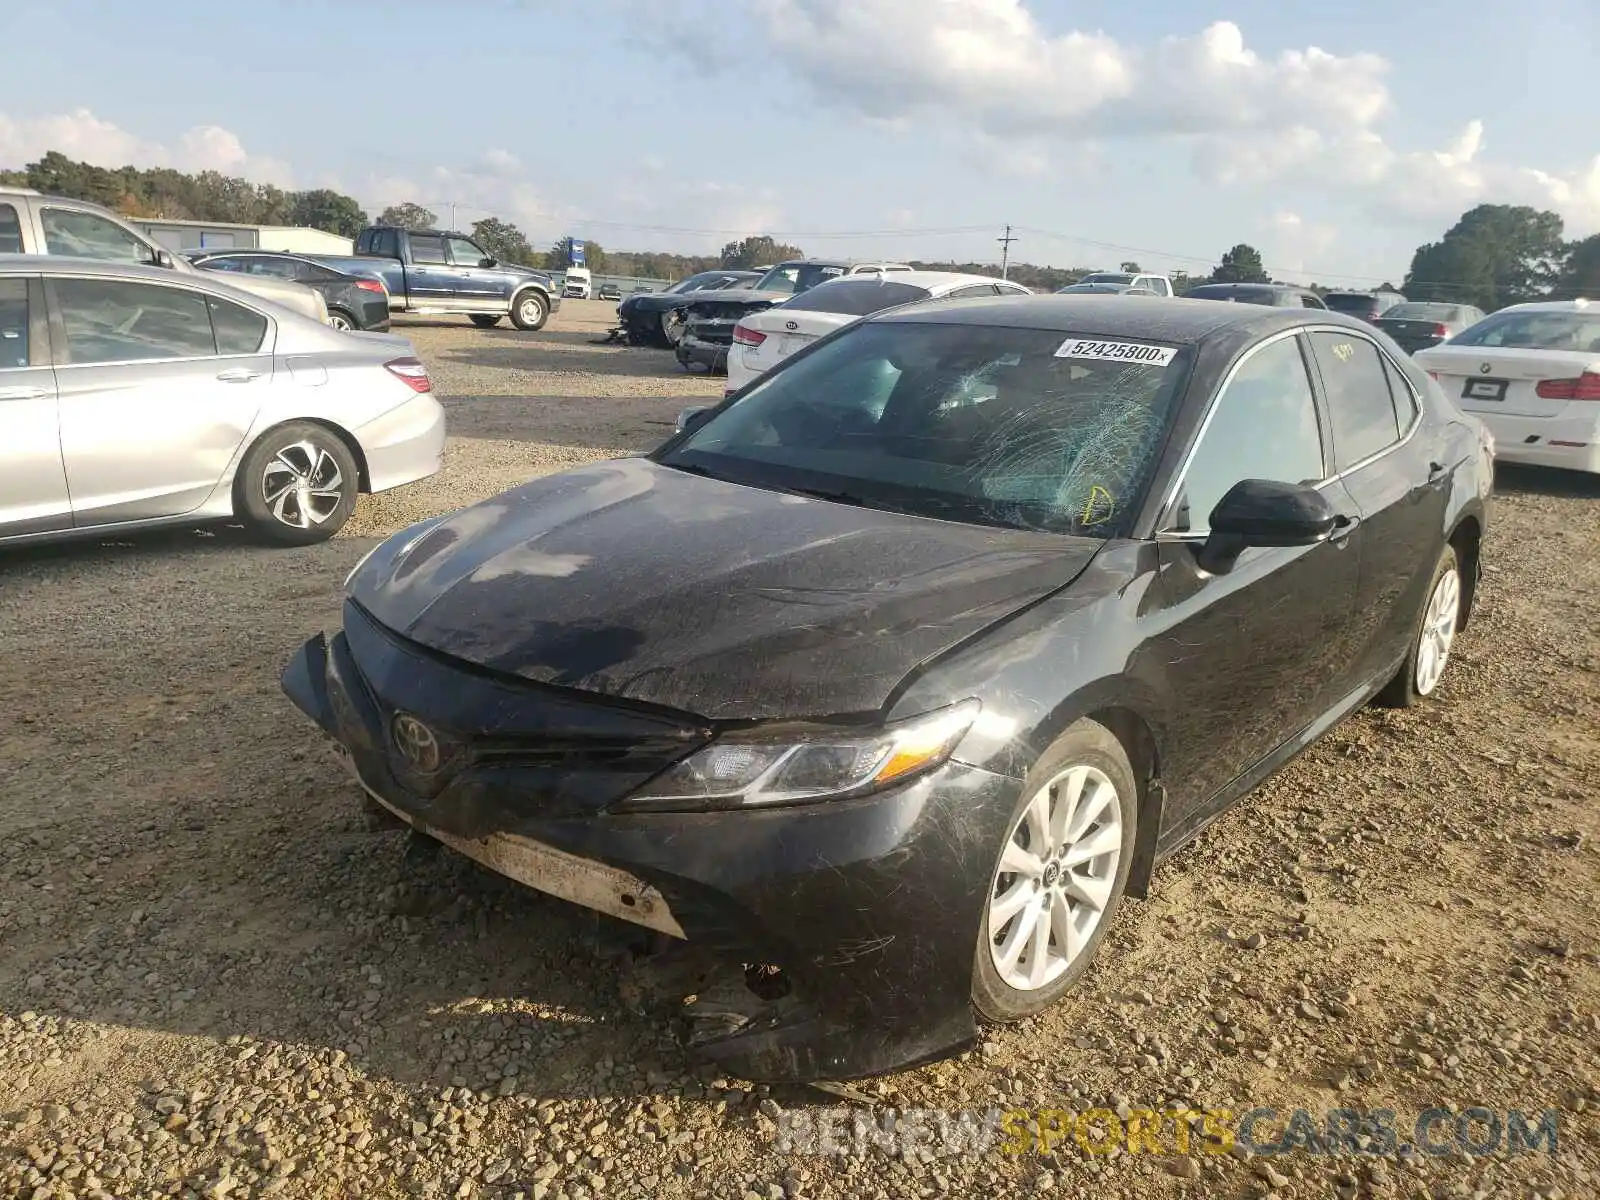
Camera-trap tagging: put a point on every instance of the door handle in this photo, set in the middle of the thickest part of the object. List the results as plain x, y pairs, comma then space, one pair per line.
238, 375
1343, 526
24, 393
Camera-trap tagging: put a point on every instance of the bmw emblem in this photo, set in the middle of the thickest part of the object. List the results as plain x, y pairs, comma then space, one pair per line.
416, 743
1485, 368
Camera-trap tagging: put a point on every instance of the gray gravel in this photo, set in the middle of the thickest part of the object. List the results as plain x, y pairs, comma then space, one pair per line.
216, 981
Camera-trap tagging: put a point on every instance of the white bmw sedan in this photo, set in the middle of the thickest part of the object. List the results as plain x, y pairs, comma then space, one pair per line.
762, 340
1531, 373
135, 396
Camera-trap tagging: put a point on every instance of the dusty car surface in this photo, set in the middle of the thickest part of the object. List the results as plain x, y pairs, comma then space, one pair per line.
875, 688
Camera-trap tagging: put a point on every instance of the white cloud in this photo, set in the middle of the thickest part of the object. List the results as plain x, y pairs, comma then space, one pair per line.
1296, 247
990, 68
85, 137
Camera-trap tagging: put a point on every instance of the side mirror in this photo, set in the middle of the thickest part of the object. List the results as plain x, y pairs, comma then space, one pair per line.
163, 258
1262, 512
693, 418
489, 262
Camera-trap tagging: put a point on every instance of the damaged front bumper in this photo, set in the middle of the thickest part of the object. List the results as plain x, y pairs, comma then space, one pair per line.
697, 350
843, 933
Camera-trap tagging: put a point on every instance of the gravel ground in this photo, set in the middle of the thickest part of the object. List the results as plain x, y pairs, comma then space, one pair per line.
216, 980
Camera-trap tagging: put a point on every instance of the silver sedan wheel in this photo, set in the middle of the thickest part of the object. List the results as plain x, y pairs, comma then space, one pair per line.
1055, 878
1438, 631
302, 485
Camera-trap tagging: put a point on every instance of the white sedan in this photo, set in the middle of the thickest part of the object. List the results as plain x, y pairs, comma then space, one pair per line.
137, 396
1531, 373
763, 340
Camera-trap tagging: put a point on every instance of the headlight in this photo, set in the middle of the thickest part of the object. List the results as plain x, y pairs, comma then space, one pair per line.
794, 763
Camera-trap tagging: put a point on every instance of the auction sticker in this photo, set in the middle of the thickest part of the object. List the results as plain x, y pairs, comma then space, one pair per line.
1128, 352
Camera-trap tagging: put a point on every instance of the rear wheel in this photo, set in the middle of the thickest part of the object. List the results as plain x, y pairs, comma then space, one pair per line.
297, 485
1432, 639
1060, 875
341, 320
485, 320
529, 311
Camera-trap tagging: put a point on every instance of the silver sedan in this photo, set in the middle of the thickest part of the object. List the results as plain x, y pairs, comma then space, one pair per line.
133, 396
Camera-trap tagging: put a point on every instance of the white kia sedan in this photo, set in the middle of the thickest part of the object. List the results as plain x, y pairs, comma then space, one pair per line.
1531, 373
764, 339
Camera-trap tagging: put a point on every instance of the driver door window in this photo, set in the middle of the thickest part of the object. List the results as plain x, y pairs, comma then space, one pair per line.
87, 235
464, 254
1262, 426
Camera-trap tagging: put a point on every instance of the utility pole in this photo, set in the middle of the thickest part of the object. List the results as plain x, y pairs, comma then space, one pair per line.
1005, 252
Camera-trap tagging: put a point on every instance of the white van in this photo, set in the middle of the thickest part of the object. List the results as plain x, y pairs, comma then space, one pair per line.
578, 284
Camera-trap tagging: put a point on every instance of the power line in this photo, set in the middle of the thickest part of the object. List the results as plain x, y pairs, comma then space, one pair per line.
1005, 252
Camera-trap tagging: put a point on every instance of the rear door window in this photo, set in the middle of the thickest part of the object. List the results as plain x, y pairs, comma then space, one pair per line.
10, 230
427, 249
1360, 404
81, 234
977, 289
856, 298
115, 320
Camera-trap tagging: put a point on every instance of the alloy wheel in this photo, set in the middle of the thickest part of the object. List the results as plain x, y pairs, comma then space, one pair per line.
340, 322
1438, 631
1056, 878
302, 485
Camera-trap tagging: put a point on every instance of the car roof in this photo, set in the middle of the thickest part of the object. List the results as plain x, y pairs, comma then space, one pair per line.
1582, 304
1156, 319
62, 264
924, 279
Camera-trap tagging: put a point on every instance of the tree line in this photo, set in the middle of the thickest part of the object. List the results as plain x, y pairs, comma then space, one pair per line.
1494, 255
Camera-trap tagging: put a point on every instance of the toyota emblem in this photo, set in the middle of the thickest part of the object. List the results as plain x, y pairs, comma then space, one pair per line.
416, 744
1485, 368
791, 325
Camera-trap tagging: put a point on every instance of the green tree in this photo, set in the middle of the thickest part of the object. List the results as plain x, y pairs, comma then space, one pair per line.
503, 240
408, 216
328, 210
758, 251
1242, 264
1132, 268
1581, 274
1496, 254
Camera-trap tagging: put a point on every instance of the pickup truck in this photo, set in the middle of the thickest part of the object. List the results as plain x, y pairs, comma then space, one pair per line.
33, 223
440, 273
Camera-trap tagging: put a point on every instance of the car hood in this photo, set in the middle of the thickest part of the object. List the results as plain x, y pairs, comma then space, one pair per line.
649, 584
737, 296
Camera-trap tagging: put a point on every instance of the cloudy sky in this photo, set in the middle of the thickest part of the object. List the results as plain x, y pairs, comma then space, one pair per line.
1335, 137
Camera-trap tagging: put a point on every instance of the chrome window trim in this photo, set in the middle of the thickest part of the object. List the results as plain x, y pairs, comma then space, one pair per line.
1205, 425
185, 285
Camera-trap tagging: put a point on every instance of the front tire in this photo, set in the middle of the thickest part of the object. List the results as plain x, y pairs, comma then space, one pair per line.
485, 320
529, 311
673, 326
1431, 638
1059, 876
297, 485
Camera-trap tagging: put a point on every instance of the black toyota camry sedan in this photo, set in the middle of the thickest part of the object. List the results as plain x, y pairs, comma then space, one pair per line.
886, 679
